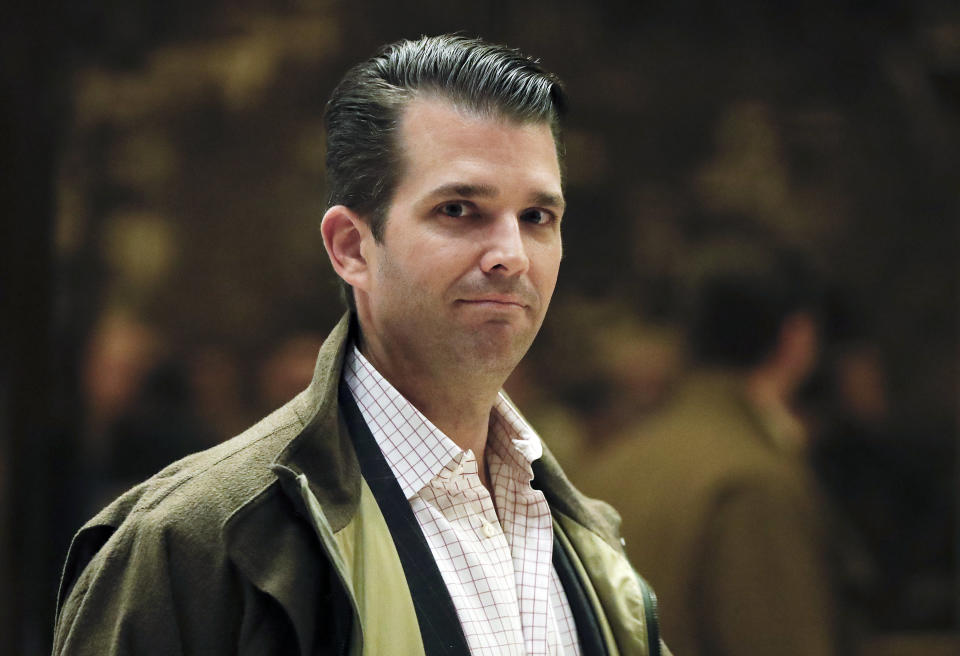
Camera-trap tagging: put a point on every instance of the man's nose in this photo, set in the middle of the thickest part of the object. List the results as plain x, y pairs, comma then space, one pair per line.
505, 252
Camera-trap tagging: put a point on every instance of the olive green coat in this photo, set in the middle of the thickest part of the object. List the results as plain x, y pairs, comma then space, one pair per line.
271, 543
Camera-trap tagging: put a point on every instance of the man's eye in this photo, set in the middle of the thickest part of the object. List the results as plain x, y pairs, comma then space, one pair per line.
454, 209
535, 216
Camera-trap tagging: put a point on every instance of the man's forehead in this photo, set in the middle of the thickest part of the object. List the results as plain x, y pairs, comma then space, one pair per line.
437, 106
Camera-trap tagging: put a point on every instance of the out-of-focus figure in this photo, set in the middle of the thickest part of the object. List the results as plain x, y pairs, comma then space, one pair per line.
890, 483
718, 507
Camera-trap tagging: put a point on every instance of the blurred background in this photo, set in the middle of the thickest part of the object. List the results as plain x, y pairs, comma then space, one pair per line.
164, 282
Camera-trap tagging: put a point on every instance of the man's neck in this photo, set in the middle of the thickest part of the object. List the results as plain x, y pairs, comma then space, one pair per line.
457, 402
771, 395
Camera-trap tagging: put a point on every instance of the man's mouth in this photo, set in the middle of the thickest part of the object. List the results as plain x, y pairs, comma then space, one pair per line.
505, 300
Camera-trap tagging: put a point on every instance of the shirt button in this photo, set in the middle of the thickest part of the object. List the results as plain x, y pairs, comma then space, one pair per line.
489, 529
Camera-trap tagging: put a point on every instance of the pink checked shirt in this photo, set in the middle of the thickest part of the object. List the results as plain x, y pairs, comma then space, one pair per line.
495, 555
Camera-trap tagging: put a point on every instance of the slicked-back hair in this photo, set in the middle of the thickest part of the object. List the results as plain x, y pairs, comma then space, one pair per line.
364, 163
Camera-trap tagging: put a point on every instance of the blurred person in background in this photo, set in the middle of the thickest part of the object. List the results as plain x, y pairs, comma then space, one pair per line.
388, 508
121, 351
719, 508
885, 480
160, 424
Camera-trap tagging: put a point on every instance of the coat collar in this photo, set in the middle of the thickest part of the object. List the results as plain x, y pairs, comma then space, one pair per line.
323, 451
562, 496
274, 553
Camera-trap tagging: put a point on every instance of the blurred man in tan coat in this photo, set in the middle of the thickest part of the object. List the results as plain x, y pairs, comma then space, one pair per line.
718, 507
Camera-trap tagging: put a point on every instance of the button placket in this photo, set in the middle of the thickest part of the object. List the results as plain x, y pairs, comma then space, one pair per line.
489, 529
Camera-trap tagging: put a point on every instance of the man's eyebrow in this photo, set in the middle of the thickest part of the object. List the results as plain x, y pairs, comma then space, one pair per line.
546, 199
467, 190
464, 190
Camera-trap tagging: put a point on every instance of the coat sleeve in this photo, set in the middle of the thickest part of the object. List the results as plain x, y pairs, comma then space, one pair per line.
143, 589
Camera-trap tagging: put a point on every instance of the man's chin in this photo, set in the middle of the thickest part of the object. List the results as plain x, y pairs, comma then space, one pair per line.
498, 344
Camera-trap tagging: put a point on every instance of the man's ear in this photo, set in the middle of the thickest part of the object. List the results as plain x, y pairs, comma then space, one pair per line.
343, 235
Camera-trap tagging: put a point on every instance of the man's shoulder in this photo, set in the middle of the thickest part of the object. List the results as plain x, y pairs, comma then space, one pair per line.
168, 544
687, 455
204, 489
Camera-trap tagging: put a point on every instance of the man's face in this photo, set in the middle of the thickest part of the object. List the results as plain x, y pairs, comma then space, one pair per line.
471, 247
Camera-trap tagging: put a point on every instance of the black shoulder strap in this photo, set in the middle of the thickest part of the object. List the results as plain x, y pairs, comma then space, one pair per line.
588, 629
440, 626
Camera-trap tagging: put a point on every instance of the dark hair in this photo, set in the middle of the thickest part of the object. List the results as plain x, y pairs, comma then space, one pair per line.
364, 163
739, 293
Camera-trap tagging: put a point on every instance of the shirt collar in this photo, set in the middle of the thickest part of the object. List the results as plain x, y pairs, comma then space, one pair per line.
416, 450
508, 427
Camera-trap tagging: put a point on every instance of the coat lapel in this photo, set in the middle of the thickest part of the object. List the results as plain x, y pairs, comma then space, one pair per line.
320, 466
323, 451
304, 540
273, 539
588, 529
278, 555
440, 626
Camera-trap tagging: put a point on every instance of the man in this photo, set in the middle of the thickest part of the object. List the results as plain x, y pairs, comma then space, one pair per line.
388, 509
719, 508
